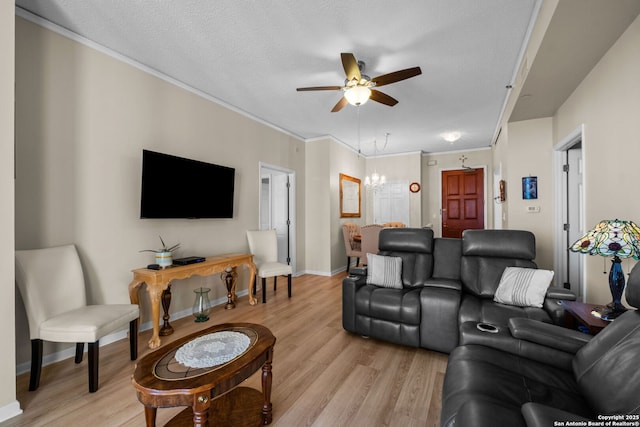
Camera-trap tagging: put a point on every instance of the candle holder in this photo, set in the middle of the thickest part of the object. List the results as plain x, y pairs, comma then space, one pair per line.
201, 306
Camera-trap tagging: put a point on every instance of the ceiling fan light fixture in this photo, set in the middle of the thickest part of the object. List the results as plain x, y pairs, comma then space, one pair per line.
357, 95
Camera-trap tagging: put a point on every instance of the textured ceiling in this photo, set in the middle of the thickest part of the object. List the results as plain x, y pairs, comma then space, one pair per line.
253, 55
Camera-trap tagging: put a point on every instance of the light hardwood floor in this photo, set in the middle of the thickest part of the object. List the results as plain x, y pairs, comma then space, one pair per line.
322, 375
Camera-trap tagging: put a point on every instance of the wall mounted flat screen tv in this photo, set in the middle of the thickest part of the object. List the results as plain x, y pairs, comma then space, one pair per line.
176, 187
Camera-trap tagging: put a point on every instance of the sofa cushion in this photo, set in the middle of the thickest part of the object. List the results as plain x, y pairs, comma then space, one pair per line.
415, 247
482, 377
447, 254
486, 253
397, 305
474, 309
481, 276
384, 271
499, 243
523, 287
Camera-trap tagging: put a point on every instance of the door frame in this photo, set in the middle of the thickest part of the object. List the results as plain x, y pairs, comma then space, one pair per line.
263, 168
486, 207
560, 208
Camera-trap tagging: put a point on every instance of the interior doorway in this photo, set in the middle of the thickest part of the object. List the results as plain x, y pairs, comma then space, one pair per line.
463, 204
277, 209
570, 224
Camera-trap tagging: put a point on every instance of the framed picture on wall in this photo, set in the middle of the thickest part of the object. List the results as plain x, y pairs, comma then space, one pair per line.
350, 199
530, 187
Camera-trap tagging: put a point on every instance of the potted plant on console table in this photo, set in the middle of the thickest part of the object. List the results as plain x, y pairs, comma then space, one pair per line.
164, 255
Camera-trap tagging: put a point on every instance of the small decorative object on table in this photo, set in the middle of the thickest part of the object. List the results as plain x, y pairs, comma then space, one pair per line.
229, 276
164, 255
619, 239
201, 305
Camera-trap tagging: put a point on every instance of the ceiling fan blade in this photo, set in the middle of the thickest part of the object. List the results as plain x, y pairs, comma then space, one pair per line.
343, 101
302, 89
396, 76
383, 98
350, 65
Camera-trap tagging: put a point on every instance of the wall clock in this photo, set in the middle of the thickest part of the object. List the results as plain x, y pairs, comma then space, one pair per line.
414, 187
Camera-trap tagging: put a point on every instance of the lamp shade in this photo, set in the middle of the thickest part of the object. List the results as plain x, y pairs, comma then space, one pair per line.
358, 95
610, 238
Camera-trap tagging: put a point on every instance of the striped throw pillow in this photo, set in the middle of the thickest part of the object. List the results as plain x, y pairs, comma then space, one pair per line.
385, 271
523, 287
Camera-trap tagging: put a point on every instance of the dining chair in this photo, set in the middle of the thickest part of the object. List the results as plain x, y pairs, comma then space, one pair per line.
51, 282
263, 244
351, 235
370, 236
394, 224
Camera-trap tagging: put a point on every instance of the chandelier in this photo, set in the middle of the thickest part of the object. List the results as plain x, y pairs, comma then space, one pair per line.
376, 180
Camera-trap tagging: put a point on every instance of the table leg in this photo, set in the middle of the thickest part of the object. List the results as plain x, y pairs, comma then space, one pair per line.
150, 416
201, 411
166, 329
267, 378
252, 283
155, 295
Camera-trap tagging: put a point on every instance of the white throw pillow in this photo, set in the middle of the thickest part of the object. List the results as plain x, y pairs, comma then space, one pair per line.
385, 271
523, 287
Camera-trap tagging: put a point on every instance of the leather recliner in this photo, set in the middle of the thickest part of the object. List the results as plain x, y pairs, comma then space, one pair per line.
546, 374
448, 288
391, 314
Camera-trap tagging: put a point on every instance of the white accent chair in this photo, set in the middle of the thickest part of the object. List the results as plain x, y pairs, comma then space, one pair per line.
52, 286
263, 244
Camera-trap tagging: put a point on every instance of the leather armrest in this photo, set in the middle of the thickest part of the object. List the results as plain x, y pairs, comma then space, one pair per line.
538, 415
557, 292
358, 271
503, 340
350, 286
548, 335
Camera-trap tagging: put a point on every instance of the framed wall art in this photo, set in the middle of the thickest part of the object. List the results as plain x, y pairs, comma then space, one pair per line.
530, 187
350, 200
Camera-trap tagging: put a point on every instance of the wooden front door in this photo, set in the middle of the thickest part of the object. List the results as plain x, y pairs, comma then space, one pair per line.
462, 201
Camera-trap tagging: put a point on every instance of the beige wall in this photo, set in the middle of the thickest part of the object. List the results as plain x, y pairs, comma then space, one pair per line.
607, 102
82, 120
530, 154
431, 182
326, 160
346, 161
397, 168
318, 207
499, 153
9, 407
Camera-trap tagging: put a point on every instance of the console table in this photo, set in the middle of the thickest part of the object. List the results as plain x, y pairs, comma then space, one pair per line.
159, 282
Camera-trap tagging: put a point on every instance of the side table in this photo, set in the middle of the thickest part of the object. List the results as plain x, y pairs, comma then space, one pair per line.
579, 313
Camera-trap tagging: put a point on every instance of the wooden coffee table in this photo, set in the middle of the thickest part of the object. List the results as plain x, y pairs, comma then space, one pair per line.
209, 392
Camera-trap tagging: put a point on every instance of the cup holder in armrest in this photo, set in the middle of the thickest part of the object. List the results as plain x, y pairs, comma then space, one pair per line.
487, 327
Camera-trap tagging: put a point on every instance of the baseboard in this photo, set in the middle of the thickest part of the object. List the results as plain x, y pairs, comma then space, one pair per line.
10, 410
320, 273
111, 338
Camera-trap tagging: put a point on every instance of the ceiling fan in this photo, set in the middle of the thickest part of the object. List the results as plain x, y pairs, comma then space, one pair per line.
359, 88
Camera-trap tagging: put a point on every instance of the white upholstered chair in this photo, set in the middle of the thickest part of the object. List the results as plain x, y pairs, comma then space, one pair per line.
263, 244
52, 286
